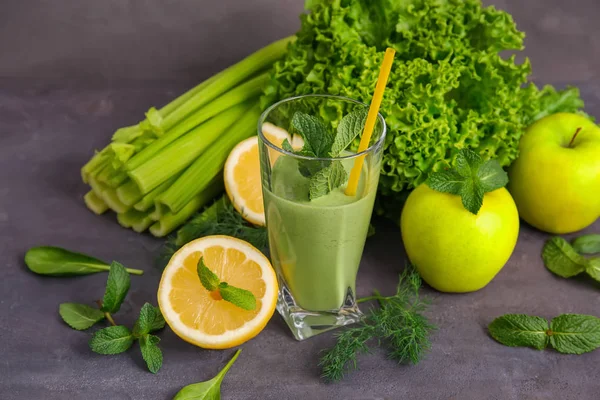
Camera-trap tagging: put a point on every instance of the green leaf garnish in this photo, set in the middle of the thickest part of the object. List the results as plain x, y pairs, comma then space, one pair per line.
117, 286
151, 353
587, 244
317, 139
150, 320
79, 316
327, 179
350, 126
209, 279
471, 178
561, 259
236, 296
112, 340
208, 390
519, 330
568, 333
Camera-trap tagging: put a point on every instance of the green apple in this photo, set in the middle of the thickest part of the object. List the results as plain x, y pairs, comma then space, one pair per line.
555, 181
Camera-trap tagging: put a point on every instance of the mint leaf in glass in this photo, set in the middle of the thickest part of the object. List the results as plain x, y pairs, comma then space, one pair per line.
240, 297
111, 340
317, 138
79, 316
350, 126
561, 259
209, 279
327, 179
587, 244
471, 178
151, 353
520, 330
117, 286
574, 333
150, 320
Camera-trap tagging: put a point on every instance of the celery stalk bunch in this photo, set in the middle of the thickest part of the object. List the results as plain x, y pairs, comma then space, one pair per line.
156, 174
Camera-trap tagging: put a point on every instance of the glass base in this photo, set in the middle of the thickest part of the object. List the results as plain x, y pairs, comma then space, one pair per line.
305, 324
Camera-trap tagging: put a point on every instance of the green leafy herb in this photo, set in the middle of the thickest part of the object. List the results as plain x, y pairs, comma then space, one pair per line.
117, 286
47, 260
239, 297
112, 340
567, 333
350, 126
79, 316
470, 179
520, 330
150, 320
150, 352
593, 269
208, 390
327, 179
561, 259
587, 244
317, 138
218, 219
398, 324
209, 279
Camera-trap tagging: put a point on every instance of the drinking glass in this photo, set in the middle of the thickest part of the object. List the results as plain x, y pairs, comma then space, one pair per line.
316, 244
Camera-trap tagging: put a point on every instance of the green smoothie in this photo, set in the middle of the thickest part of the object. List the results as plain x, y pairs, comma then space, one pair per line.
316, 246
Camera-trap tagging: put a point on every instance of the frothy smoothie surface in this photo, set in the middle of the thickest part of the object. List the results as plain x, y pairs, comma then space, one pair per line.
316, 246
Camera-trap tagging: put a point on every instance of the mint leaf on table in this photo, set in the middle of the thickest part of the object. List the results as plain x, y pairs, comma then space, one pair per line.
520, 330
117, 287
79, 316
151, 353
112, 340
471, 178
317, 139
350, 126
209, 279
574, 333
208, 390
593, 269
327, 179
561, 259
150, 320
587, 244
240, 297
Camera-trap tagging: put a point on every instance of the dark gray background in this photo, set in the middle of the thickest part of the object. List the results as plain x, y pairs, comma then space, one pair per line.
73, 71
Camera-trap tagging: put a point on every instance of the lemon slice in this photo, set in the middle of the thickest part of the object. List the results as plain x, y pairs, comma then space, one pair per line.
198, 316
242, 172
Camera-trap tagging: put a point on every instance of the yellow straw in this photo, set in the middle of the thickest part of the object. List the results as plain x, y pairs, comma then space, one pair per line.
384, 73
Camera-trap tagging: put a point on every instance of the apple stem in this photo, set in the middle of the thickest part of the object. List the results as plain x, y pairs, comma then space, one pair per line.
574, 136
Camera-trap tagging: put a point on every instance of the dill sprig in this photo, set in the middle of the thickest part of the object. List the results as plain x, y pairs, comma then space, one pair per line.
218, 219
397, 324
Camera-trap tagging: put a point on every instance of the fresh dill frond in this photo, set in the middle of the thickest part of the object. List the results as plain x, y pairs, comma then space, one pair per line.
397, 324
220, 218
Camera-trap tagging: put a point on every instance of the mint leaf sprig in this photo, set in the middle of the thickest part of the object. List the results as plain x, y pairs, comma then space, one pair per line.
240, 297
565, 260
567, 333
116, 339
319, 142
471, 179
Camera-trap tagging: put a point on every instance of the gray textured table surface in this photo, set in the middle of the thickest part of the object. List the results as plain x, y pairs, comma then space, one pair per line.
71, 74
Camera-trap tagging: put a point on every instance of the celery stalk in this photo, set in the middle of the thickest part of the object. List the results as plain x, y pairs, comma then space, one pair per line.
170, 221
228, 79
142, 224
245, 91
184, 151
95, 203
147, 202
109, 196
199, 174
131, 217
129, 193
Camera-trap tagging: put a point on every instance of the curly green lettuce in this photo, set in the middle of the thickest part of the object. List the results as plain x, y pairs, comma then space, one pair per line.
449, 88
